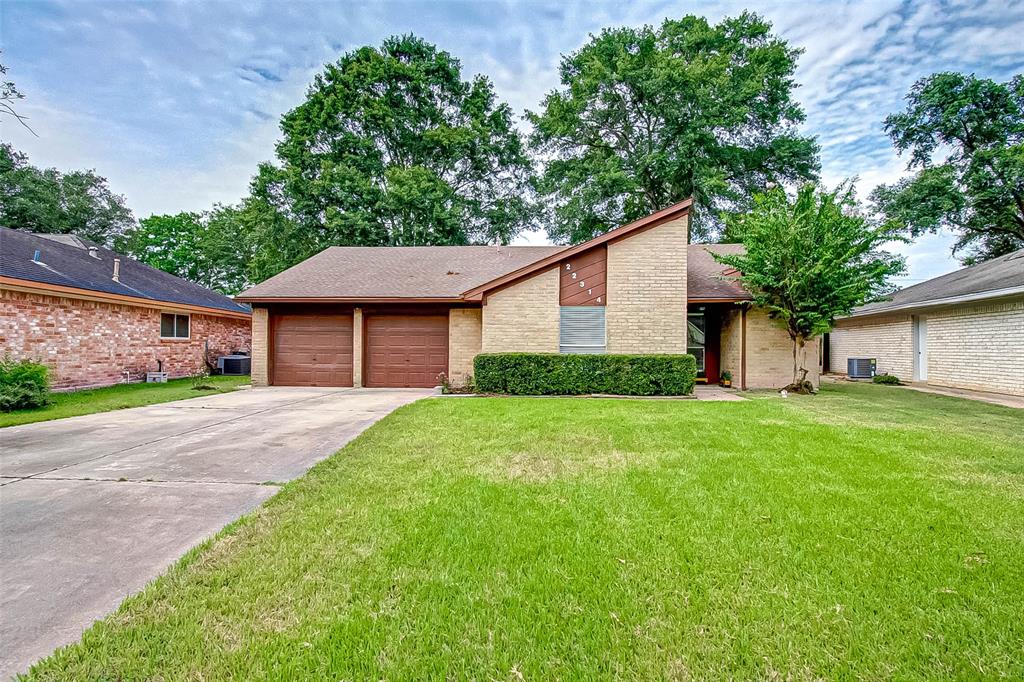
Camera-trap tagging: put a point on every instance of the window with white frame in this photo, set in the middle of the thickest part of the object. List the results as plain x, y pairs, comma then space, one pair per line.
173, 326
581, 329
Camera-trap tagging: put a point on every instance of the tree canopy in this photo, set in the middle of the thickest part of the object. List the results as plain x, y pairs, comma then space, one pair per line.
648, 117
809, 261
975, 187
393, 147
212, 248
76, 202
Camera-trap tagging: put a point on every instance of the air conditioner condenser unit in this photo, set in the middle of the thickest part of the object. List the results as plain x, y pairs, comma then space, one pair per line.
860, 368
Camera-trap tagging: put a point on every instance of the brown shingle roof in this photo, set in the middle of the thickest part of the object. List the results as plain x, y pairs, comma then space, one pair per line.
367, 272
709, 280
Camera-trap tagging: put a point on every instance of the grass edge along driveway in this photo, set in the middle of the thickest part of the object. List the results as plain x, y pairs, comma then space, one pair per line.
121, 396
863, 533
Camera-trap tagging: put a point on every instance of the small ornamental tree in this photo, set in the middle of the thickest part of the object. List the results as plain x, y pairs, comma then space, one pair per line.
809, 261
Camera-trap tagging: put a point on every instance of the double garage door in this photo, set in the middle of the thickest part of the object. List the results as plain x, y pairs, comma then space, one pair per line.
399, 350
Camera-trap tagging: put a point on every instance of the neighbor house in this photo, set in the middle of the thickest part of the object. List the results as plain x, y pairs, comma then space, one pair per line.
961, 330
400, 316
97, 318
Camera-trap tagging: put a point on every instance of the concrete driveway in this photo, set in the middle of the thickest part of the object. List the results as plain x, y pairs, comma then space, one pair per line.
92, 508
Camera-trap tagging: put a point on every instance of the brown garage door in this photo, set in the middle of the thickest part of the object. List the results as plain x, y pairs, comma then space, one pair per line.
312, 349
405, 350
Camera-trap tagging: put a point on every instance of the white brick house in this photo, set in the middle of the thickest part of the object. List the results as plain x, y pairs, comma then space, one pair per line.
961, 330
399, 316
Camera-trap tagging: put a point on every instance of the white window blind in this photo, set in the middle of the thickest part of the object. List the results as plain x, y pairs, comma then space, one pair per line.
581, 329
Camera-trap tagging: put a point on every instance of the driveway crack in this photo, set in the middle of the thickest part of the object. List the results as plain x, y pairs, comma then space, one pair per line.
178, 435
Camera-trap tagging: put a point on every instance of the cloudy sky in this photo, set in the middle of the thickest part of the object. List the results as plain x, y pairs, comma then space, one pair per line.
176, 102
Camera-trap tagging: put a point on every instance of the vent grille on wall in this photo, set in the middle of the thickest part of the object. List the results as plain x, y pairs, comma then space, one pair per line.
581, 329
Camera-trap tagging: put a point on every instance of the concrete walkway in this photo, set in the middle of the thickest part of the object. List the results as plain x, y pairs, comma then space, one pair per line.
92, 508
718, 393
982, 396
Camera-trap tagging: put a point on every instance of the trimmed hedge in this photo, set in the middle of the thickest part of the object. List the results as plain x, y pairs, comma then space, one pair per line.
885, 379
579, 374
23, 384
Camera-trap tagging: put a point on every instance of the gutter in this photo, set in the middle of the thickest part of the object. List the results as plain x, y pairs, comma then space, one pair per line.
935, 302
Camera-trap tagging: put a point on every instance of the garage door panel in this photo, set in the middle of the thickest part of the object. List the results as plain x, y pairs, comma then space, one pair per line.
406, 350
312, 349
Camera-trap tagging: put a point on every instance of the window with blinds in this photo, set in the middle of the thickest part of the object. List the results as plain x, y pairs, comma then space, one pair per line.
581, 329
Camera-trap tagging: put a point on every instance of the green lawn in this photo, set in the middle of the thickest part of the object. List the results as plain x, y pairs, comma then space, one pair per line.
868, 532
118, 397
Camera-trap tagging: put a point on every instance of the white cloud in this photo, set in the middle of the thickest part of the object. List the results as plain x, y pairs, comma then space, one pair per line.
176, 103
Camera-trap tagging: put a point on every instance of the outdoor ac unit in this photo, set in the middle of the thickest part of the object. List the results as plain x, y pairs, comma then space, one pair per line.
860, 368
234, 365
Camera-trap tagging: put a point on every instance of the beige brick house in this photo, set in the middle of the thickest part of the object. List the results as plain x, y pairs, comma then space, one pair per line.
961, 330
98, 318
400, 316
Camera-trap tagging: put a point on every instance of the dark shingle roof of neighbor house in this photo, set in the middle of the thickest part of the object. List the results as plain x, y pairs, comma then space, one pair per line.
65, 261
993, 278
446, 272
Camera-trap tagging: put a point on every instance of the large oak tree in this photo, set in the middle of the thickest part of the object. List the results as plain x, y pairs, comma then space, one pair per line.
48, 200
965, 137
648, 117
393, 147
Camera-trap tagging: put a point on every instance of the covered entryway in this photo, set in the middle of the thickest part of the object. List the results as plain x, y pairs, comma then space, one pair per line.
311, 349
405, 349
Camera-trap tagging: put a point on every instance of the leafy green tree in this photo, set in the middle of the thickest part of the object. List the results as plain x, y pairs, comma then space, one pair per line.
975, 187
78, 202
649, 117
809, 261
211, 248
392, 147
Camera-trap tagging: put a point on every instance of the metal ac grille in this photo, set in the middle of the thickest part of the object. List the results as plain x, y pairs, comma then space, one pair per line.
860, 368
581, 329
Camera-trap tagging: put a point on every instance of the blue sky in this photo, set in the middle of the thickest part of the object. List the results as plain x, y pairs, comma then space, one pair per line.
176, 102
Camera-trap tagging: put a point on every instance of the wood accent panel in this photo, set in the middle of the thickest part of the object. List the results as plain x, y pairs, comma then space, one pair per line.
311, 349
584, 278
405, 350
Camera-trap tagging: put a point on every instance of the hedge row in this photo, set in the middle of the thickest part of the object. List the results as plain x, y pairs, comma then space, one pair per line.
571, 374
23, 384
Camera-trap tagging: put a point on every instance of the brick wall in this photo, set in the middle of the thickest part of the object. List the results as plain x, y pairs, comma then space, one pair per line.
89, 343
730, 345
769, 351
260, 346
464, 342
888, 339
979, 347
523, 317
646, 310
357, 347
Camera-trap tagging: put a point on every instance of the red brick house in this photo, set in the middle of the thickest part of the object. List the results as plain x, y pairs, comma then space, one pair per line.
399, 316
97, 318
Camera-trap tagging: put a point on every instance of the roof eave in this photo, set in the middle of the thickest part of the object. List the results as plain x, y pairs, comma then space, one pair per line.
939, 302
32, 286
350, 299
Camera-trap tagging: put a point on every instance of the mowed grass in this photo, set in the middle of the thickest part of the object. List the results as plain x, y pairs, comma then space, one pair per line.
868, 532
77, 403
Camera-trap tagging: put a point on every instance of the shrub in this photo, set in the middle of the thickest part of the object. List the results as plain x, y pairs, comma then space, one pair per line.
23, 384
887, 379
572, 374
